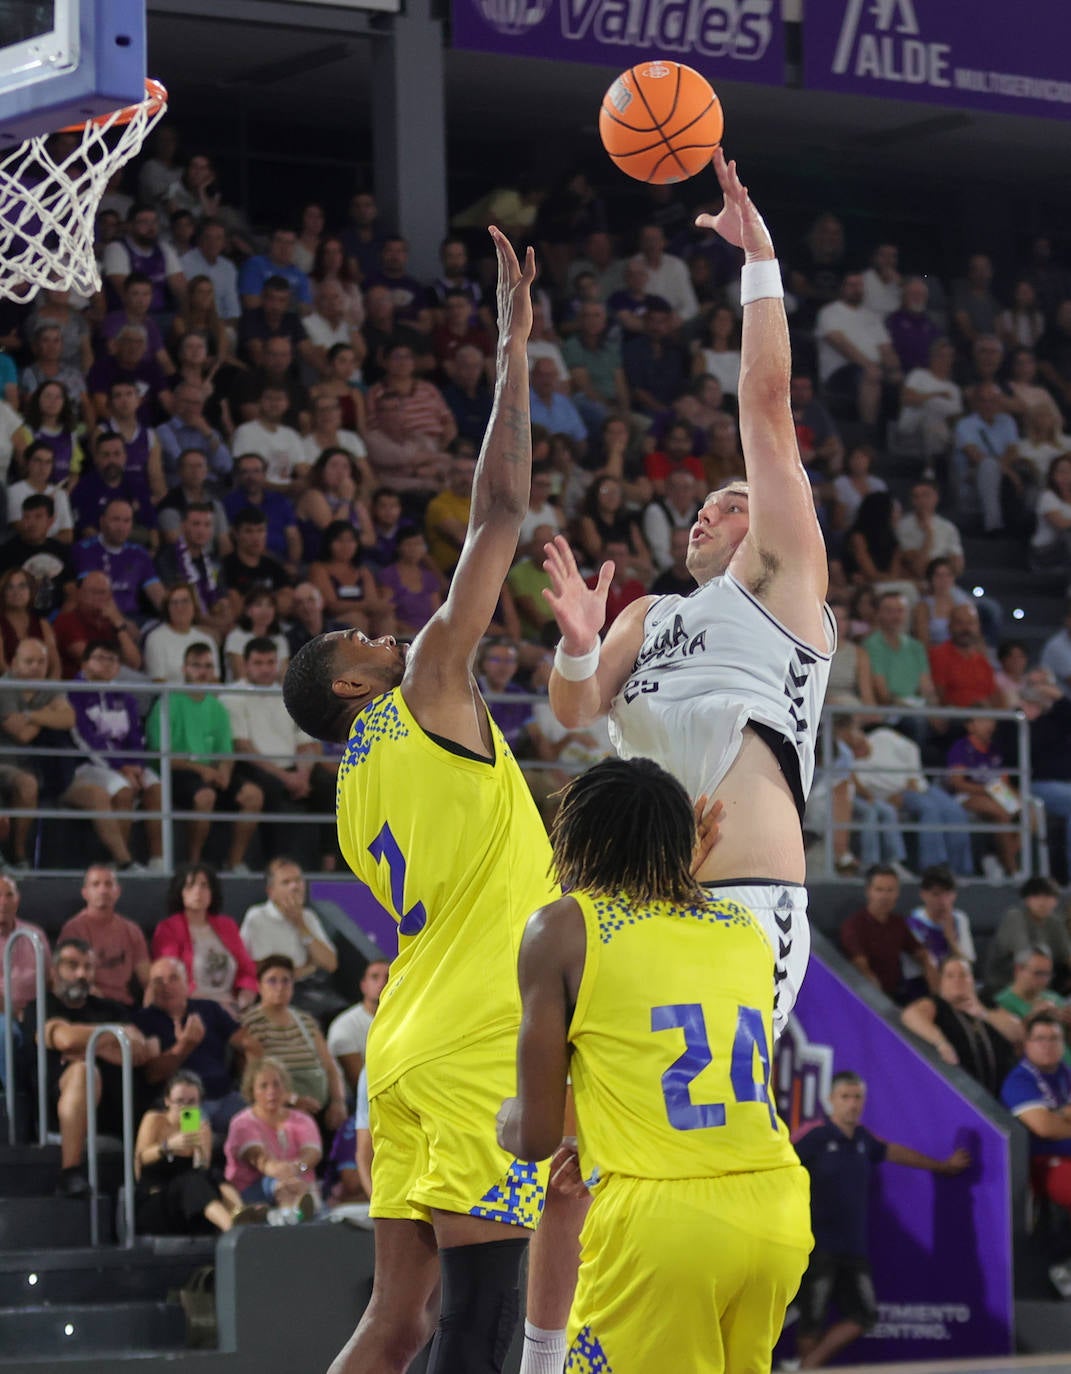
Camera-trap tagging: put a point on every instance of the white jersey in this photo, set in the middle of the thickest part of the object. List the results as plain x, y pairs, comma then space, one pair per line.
712, 663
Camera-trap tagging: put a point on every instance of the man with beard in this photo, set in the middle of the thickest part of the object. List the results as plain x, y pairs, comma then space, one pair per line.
71, 1012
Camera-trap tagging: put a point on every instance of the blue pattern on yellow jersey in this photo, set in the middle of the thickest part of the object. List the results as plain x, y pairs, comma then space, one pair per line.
516, 1199
586, 1355
615, 913
378, 721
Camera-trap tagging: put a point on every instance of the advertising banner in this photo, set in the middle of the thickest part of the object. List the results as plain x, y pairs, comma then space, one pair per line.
356, 900
941, 1248
985, 55
740, 40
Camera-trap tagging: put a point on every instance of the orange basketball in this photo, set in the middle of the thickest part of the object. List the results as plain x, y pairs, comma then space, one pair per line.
660, 121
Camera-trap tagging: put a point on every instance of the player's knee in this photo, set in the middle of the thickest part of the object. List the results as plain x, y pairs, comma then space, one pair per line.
480, 1306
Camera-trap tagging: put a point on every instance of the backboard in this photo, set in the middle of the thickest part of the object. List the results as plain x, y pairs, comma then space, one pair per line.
64, 61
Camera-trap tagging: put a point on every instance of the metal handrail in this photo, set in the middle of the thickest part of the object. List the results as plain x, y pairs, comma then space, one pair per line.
127, 1063
40, 956
1028, 802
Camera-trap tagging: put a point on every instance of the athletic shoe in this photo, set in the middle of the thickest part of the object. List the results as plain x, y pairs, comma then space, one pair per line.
73, 1183
251, 1214
156, 866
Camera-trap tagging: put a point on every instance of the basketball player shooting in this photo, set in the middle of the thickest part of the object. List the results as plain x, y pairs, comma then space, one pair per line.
724, 687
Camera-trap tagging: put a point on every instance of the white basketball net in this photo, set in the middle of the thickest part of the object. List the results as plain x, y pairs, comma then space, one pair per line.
48, 210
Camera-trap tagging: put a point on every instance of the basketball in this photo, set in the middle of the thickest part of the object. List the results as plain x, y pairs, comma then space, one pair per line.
660, 122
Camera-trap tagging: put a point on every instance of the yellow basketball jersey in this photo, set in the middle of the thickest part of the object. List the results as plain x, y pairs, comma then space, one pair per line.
671, 1039
455, 850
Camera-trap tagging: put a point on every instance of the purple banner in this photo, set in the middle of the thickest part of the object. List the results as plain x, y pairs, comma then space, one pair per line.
740, 40
981, 54
940, 1248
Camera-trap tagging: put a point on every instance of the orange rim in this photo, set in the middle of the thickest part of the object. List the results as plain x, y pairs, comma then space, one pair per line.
155, 99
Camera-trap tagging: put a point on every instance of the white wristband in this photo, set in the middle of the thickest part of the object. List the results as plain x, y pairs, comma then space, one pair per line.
577, 667
761, 281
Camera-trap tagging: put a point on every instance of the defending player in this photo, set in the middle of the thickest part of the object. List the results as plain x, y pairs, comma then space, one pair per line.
657, 996
434, 814
724, 688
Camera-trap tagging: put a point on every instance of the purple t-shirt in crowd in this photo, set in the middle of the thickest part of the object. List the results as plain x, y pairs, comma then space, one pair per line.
979, 765
118, 319
108, 723
129, 568
92, 494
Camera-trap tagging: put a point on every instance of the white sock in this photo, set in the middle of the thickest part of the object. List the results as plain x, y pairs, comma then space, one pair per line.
544, 1351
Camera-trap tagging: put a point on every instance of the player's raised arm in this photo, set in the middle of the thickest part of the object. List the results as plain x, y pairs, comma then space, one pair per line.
784, 533
503, 478
587, 673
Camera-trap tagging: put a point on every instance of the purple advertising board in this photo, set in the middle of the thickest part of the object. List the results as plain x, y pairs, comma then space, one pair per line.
740, 40
985, 55
941, 1248
356, 900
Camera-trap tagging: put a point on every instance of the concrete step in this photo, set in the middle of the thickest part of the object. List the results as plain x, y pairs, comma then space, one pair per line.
27, 1223
150, 1270
48, 1333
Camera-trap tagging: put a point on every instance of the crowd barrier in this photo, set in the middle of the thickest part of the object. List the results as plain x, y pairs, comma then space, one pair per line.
1030, 822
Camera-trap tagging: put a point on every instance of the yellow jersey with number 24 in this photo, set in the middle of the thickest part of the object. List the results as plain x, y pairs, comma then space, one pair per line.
671, 1038
454, 848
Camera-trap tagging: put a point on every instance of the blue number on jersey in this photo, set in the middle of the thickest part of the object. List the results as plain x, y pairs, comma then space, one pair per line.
385, 846
682, 1112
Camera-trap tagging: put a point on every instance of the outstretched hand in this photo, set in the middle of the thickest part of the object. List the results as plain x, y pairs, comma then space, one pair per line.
514, 292
580, 610
738, 222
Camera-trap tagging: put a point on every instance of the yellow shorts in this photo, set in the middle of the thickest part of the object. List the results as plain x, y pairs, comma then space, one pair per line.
699, 1270
434, 1147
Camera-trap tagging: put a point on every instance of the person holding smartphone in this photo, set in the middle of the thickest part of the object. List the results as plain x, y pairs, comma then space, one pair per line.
178, 1191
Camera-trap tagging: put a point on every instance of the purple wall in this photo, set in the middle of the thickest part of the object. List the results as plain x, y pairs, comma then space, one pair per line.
941, 1248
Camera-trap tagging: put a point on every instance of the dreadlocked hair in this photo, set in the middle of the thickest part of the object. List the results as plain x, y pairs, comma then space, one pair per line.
626, 826
308, 696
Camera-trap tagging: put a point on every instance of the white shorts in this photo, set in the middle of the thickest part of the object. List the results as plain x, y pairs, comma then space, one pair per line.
113, 782
781, 910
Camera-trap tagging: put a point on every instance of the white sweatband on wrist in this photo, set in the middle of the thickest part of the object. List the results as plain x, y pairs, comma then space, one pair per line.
761, 281
577, 667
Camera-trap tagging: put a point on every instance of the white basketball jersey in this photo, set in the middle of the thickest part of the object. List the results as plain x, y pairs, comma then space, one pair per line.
711, 663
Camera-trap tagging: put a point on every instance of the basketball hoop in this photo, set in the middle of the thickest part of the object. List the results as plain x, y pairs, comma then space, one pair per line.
49, 197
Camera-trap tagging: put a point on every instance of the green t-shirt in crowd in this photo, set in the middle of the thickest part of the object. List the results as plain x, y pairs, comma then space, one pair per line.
901, 668
201, 728
527, 578
1010, 1000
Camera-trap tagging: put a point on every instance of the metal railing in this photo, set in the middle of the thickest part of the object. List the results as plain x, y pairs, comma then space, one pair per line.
1031, 808
92, 1161
165, 758
40, 957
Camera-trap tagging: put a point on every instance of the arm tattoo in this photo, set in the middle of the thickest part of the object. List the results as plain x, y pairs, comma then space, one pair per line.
517, 425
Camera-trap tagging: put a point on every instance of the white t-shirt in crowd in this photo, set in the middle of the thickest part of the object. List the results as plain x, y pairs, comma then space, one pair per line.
946, 537
265, 930
846, 495
348, 1032
943, 398
725, 367
858, 325
238, 638
281, 448
881, 297
1049, 504
348, 439
165, 650
62, 520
